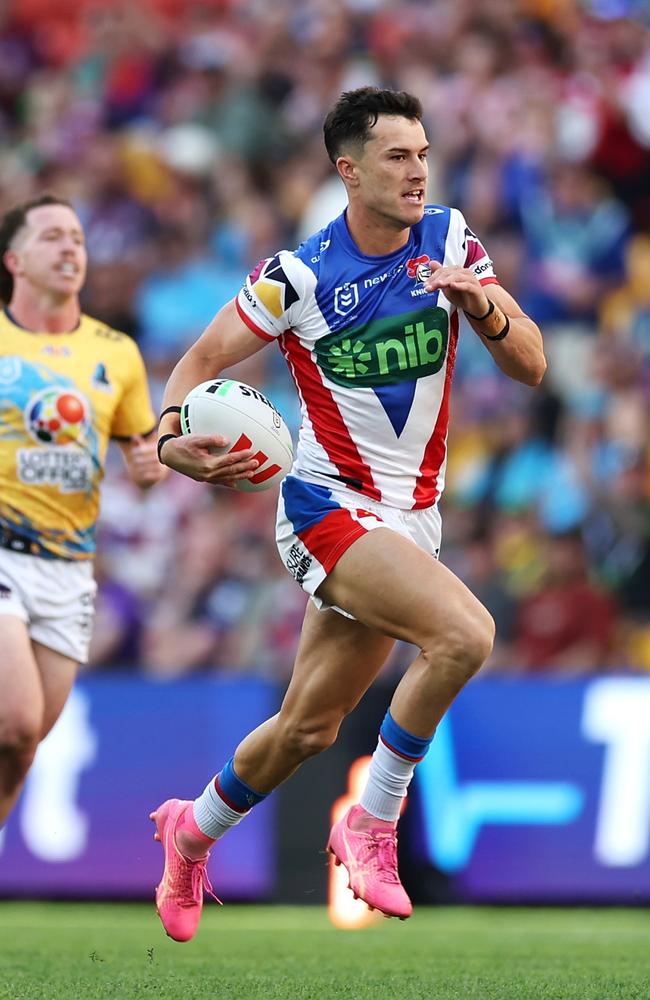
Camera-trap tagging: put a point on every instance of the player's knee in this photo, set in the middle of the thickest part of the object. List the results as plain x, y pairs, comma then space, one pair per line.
473, 640
19, 739
467, 643
307, 739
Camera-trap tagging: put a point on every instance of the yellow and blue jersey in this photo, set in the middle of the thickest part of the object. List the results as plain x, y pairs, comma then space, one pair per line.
62, 396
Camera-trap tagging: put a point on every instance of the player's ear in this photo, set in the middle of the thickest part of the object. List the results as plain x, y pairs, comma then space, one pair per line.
11, 261
347, 170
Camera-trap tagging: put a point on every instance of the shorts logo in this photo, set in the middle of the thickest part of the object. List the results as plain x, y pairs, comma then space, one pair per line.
57, 416
383, 352
298, 562
346, 298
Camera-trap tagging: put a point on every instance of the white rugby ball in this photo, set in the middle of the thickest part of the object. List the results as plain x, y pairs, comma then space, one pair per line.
249, 420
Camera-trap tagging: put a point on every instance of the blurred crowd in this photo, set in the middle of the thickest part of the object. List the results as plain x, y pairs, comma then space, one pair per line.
188, 137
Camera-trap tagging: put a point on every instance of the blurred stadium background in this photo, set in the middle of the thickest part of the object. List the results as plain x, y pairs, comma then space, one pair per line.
188, 137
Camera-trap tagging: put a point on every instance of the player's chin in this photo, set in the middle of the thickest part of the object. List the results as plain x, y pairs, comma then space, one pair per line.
412, 211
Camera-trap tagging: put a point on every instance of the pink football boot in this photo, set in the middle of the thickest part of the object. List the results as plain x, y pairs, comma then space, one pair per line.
370, 857
179, 896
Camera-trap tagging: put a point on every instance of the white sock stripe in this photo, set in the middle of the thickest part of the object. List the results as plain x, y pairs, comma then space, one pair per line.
214, 816
388, 780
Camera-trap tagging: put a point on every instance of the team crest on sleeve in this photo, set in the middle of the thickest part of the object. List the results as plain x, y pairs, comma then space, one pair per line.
272, 287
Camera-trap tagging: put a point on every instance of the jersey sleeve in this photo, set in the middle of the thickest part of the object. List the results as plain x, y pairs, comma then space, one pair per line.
134, 413
473, 254
273, 295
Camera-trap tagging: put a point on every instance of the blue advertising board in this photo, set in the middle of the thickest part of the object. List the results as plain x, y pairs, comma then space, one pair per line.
540, 790
533, 790
122, 746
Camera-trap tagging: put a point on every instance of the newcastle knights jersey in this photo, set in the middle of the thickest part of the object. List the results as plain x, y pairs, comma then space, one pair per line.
371, 353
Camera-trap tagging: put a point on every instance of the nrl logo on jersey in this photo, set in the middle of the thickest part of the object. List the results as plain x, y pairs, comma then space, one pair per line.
346, 298
386, 351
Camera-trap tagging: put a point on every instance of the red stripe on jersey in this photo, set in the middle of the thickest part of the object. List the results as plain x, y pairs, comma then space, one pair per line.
249, 323
488, 281
329, 427
329, 539
426, 488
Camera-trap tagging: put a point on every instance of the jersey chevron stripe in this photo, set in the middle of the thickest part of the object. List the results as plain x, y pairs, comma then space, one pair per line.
329, 428
428, 488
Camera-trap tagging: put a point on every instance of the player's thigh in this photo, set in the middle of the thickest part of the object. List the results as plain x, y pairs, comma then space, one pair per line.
392, 585
21, 699
57, 675
338, 658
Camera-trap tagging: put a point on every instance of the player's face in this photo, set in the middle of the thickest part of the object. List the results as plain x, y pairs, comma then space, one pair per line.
392, 171
50, 251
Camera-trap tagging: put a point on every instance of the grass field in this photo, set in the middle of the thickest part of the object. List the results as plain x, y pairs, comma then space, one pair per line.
68, 951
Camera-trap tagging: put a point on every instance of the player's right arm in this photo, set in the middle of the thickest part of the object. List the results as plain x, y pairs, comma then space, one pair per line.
225, 342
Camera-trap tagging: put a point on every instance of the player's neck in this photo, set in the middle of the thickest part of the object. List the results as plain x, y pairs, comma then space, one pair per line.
45, 314
375, 236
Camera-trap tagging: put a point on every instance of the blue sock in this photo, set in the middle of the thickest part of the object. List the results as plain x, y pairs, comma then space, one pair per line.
401, 742
224, 802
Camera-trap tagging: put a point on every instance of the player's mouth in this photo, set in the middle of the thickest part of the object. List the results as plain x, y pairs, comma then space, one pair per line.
415, 196
67, 268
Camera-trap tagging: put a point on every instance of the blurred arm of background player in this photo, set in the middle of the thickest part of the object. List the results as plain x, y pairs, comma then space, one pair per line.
225, 342
141, 460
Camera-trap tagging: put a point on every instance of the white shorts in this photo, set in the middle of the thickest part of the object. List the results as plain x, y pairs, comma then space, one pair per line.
316, 524
54, 597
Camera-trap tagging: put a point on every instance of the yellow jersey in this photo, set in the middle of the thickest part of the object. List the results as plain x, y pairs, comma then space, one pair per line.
62, 396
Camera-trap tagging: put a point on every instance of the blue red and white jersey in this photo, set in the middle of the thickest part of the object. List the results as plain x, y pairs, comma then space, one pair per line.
371, 353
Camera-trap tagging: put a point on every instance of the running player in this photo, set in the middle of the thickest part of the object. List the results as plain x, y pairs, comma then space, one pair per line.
366, 314
67, 384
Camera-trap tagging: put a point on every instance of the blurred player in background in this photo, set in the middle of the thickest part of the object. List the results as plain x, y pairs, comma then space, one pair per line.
366, 314
67, 384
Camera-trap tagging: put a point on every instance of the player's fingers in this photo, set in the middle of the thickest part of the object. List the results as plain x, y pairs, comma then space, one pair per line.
203, 441
220, 476
234, 457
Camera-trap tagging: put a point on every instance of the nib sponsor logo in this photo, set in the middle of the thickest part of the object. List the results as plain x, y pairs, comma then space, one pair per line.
386, 351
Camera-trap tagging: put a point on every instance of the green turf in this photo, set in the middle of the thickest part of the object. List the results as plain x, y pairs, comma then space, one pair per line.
75, 950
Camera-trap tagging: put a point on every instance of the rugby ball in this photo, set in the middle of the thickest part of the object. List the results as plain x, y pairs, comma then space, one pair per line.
249, 420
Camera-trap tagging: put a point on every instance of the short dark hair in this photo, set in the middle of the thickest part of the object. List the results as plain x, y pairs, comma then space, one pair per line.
357, 111
12, 221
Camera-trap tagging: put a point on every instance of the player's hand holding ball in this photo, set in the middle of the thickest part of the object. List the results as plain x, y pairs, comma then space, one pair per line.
253, 450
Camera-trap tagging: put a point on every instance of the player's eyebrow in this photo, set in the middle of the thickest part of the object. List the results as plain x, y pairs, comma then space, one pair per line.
59, 230
400, 149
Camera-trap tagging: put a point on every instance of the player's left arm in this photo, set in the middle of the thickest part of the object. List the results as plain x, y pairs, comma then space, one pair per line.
512, 338
141, 459
134, 422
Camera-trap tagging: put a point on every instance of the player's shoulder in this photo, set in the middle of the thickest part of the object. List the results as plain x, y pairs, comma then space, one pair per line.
312, 250
98, 334
440, 216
